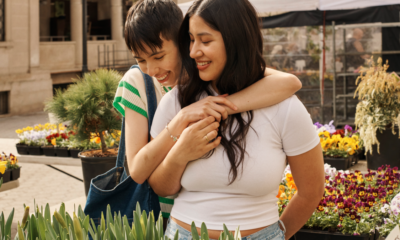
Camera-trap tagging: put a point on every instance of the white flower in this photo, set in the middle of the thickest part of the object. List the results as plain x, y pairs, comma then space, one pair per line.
385, 208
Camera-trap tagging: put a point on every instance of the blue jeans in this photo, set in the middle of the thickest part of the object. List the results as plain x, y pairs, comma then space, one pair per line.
272, 232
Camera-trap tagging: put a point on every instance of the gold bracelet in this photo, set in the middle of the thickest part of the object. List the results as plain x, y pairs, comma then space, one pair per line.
174, 138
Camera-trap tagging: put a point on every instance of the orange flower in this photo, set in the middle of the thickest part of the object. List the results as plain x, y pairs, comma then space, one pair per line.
289, 177
291, 185
281, 190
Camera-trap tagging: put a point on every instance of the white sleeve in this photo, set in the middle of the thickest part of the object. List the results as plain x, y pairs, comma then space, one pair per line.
296, 127
167, 109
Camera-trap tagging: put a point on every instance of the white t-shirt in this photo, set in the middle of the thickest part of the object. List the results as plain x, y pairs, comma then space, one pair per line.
250, 202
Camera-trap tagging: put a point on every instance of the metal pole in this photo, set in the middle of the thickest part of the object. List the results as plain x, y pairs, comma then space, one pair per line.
84, 37
334, 71
98, 56
113, 55
344, 77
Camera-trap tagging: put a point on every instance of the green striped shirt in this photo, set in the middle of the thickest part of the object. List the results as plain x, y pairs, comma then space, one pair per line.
131, 93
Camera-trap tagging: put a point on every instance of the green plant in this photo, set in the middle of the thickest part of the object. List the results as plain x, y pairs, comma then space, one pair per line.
62, 226
87, 104
379, 107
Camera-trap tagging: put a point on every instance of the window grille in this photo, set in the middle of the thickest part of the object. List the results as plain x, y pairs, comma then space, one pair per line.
4, 102
2, 20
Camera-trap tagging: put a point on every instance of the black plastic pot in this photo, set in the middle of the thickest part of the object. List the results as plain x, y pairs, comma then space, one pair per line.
48, 151
35, 150
339, 163
74, 152
389, 150
94, 166
310, 234
22, 149
6, 176
62, 152
15, 174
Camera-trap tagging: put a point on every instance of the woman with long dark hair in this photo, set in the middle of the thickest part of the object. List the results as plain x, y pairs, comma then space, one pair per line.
231, 176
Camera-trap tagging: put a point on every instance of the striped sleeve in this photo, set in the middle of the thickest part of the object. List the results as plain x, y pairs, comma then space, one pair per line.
129, 93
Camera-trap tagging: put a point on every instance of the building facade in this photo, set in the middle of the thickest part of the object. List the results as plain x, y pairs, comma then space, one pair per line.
41, 47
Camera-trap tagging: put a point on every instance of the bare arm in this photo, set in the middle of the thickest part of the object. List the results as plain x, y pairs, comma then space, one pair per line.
275, 87
308, 174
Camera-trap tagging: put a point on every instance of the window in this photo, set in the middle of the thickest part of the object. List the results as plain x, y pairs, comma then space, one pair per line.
2, 20
4, 96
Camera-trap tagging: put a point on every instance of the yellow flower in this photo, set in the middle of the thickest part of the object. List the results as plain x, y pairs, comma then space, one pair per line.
324, 134
3, 167
19, 131
53, 141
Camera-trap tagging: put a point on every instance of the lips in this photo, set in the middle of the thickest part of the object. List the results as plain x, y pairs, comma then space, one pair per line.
163, 78
203, 65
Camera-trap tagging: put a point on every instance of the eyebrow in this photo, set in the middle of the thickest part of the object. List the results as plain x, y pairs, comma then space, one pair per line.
154, 53
201, 34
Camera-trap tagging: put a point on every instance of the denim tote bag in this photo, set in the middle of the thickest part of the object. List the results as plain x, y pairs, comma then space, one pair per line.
115, 187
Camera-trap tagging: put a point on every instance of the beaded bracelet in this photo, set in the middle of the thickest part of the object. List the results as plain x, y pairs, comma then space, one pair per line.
174, 138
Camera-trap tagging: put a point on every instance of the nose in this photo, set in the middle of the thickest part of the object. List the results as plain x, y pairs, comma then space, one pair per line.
195, 50
152, 69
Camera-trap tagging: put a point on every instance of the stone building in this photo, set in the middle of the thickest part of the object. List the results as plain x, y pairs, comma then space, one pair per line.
41, 47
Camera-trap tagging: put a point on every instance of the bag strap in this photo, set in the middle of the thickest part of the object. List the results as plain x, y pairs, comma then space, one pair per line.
151, 106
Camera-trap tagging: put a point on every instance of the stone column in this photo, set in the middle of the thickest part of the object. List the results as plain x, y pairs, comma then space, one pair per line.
76, 30
116, 20
34, 36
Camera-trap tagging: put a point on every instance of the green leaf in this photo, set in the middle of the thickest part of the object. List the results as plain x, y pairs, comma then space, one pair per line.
50, 229
150, 227
195, 235
237, 235
7, 228
161, 225
47, 215
138, 227
138, 210
33, 227
103, 222
41, 226
62, 211
204, 232
176, 237
85, 223
81, 214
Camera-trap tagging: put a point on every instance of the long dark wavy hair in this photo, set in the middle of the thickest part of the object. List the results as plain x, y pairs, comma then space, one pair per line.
240, 28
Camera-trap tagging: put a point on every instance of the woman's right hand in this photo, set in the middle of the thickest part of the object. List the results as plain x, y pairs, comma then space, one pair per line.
196, 140
210, 106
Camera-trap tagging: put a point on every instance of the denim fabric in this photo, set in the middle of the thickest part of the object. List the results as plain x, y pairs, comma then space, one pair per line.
115, 187
272, 232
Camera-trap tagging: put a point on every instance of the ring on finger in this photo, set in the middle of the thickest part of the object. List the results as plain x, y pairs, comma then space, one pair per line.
206, 138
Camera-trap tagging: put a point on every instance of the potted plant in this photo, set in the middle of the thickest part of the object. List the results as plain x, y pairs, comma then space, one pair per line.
74, 145
22, 147
87, 104
378, 114
12, 166
340, 147
352, 206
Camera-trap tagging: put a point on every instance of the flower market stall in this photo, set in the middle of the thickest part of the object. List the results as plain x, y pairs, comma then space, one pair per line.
353, 204
9, 168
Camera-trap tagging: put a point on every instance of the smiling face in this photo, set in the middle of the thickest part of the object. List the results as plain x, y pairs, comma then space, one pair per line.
164, 64
207, 48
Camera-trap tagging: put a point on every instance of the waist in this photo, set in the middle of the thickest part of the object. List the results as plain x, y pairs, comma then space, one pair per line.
214, 234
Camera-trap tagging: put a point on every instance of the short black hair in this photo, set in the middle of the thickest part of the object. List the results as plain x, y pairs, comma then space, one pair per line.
147, 20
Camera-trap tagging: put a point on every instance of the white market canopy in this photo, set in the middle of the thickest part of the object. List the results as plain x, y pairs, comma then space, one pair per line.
266, 6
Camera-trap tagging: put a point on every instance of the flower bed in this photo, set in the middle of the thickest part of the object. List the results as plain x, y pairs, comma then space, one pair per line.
9, 168
340, 147
353, 203
52, 140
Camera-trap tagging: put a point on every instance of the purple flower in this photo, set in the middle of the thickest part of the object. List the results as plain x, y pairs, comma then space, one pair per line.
348, 128
318, 125
330, 128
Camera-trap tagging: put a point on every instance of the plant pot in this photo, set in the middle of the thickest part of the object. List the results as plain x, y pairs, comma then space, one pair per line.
310, 234
6, 176
15, 174
49, 151
35, 150
389, 150
74, 152
62, 152
94, 166
339, 163
22, 149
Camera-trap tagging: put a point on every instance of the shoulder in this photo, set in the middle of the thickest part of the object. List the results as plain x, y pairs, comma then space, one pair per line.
170, 101
280, 110
133, 77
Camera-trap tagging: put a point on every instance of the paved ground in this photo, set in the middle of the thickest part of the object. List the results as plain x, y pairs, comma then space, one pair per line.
38, 182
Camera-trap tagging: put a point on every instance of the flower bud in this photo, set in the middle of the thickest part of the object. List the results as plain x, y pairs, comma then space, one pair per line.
25, 218
60, 219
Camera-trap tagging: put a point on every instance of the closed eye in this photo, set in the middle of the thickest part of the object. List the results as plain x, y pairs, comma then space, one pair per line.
160, 57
